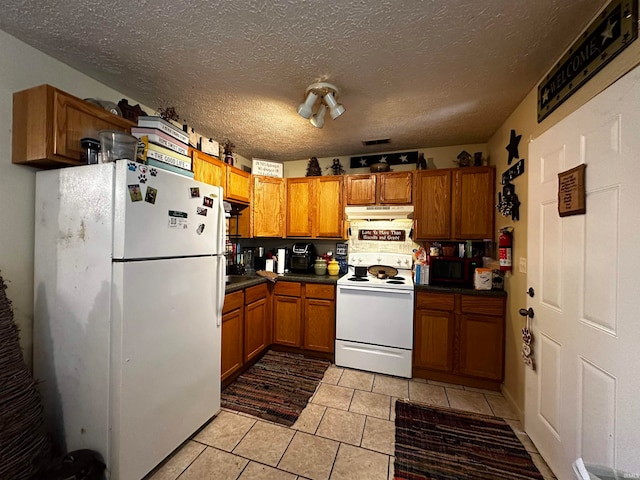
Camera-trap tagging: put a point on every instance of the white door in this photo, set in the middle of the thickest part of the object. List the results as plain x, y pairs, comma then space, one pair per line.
583, 398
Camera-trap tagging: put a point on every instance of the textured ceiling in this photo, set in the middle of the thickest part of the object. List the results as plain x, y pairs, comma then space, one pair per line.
422, 73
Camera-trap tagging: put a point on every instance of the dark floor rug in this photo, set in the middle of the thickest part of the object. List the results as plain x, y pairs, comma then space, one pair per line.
444, 444
277, 388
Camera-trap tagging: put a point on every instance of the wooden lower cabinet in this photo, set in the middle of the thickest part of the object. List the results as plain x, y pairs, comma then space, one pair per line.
304, 316
246, 328
459, 338
319, 318
287, 311
257, 329
232, 334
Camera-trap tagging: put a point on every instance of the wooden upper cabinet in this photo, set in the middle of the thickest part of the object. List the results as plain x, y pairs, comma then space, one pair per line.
329, 209
361, 189
473, 205
454, 203
300, 206
209, 169
432, 206
379, 188
48, 125
394, 188
238, 185
268, 207
314, 207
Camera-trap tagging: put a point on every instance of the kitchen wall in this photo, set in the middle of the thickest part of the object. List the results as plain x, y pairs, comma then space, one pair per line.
524, 121
438, 157
22, 67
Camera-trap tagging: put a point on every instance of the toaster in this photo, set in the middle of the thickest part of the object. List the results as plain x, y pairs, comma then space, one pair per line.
303, 256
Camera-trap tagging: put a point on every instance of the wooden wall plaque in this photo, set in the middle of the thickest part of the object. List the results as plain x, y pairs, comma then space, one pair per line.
571, 192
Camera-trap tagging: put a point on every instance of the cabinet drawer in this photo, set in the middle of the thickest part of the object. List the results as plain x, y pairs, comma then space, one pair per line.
482, 305
435, 301
257, 292
291, 289
316, 290
232, 301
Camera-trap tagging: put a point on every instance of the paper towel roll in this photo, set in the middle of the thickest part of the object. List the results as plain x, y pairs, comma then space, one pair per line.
281, 260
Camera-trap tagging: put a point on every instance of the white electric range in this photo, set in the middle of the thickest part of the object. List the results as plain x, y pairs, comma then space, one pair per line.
374, 316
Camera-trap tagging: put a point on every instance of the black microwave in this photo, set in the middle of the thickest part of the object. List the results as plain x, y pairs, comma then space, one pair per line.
453, 271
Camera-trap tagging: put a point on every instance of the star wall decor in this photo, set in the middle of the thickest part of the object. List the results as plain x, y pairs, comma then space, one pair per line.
512, 148
400, 158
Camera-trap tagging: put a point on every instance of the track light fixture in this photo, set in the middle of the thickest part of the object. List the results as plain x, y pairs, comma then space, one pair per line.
328, 94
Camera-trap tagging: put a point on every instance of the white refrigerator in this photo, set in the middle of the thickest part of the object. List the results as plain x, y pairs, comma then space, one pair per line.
129, 286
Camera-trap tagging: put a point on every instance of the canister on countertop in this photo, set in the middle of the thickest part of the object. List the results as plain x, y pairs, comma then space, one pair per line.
90, 147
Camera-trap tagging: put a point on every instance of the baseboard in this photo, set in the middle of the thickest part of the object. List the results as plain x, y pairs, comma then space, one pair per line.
507, 396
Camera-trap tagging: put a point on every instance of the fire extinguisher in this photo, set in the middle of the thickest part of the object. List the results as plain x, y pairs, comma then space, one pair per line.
505, 243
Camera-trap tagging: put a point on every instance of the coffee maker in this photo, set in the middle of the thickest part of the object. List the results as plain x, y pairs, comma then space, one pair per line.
302, 257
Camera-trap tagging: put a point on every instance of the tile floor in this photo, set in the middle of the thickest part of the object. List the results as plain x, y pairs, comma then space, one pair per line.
345, 432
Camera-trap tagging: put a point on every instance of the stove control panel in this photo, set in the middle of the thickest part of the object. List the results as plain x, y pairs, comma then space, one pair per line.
396, 260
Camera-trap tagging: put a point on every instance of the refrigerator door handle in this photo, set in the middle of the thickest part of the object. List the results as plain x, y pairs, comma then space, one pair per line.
222, 234
221, 274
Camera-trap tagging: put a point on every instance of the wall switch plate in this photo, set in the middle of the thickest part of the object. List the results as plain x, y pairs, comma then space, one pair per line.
522, 265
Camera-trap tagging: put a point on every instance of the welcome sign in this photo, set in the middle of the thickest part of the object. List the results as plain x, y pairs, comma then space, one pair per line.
613, 31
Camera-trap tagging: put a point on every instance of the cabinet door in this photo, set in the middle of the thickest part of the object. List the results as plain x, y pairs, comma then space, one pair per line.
300, 207
394, 188
238, 183
268, 207
231, 357
432, 207
286, 320
232, 333
433, 340
329, 208
482, 346
319, 325
361, 189
255, 328
208, 169
48, 125
473, 204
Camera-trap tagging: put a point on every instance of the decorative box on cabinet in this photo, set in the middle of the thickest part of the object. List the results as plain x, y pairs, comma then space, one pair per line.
48, 125
393, 188
232, 334
459, 338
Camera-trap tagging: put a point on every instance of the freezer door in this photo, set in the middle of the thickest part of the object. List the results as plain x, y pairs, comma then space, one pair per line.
163, 214
165, 351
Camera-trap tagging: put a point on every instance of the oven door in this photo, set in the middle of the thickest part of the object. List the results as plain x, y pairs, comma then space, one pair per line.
375, 315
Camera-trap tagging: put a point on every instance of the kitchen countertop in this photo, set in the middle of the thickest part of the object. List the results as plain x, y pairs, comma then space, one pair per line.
464, 291
240, 282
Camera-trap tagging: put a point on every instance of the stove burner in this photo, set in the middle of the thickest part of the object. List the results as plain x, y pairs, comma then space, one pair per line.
358, 279
396, 282
396, 278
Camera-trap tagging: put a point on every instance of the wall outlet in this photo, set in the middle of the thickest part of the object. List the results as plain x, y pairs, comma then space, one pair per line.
522, 265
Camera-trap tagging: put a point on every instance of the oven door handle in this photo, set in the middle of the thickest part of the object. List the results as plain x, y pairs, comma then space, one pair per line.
397, 291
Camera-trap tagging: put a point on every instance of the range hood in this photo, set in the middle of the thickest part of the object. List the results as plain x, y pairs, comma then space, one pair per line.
379, 212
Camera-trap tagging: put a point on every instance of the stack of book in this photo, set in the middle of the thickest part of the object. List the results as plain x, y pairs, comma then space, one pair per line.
165, 146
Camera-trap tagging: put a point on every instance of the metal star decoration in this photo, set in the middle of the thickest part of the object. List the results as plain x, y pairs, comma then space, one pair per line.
512, 148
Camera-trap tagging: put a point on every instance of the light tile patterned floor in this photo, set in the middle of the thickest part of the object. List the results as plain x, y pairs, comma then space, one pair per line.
346, 432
